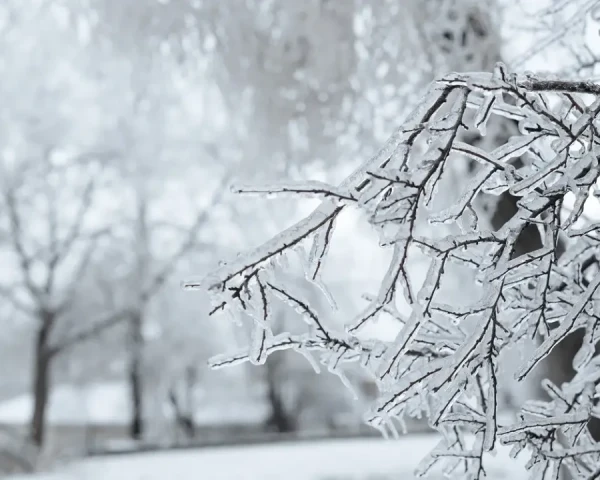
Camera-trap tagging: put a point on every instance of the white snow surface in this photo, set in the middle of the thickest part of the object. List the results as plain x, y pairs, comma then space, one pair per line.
352, 459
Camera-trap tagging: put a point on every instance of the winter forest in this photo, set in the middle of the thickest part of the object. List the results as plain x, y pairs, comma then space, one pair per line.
300, 240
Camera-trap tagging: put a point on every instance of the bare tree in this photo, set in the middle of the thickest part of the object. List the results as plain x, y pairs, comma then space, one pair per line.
53, 180
52, 247
155, 239
150, 273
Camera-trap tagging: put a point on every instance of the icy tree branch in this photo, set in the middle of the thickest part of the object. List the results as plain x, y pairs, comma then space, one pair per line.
445, 361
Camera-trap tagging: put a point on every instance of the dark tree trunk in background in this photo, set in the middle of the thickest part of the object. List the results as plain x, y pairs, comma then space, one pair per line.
136, 387
183, 419
41, 382
280, 419
184, 405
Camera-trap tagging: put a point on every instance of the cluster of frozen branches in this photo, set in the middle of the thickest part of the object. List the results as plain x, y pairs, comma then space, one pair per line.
444, 362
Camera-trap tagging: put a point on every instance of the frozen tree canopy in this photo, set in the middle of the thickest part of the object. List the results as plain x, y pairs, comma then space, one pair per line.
445, 362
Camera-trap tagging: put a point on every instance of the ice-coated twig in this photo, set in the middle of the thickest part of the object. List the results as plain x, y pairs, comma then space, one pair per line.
444, 363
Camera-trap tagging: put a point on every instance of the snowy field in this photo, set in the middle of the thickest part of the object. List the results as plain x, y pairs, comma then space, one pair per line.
363, 459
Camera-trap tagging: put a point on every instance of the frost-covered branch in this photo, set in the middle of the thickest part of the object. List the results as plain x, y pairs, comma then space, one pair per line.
445, 361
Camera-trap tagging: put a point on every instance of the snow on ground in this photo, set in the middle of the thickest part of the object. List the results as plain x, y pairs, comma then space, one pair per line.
352, 459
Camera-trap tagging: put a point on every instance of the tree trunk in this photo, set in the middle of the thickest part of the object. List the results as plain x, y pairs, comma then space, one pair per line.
41, 385
280, 420
184, 420
136, 346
